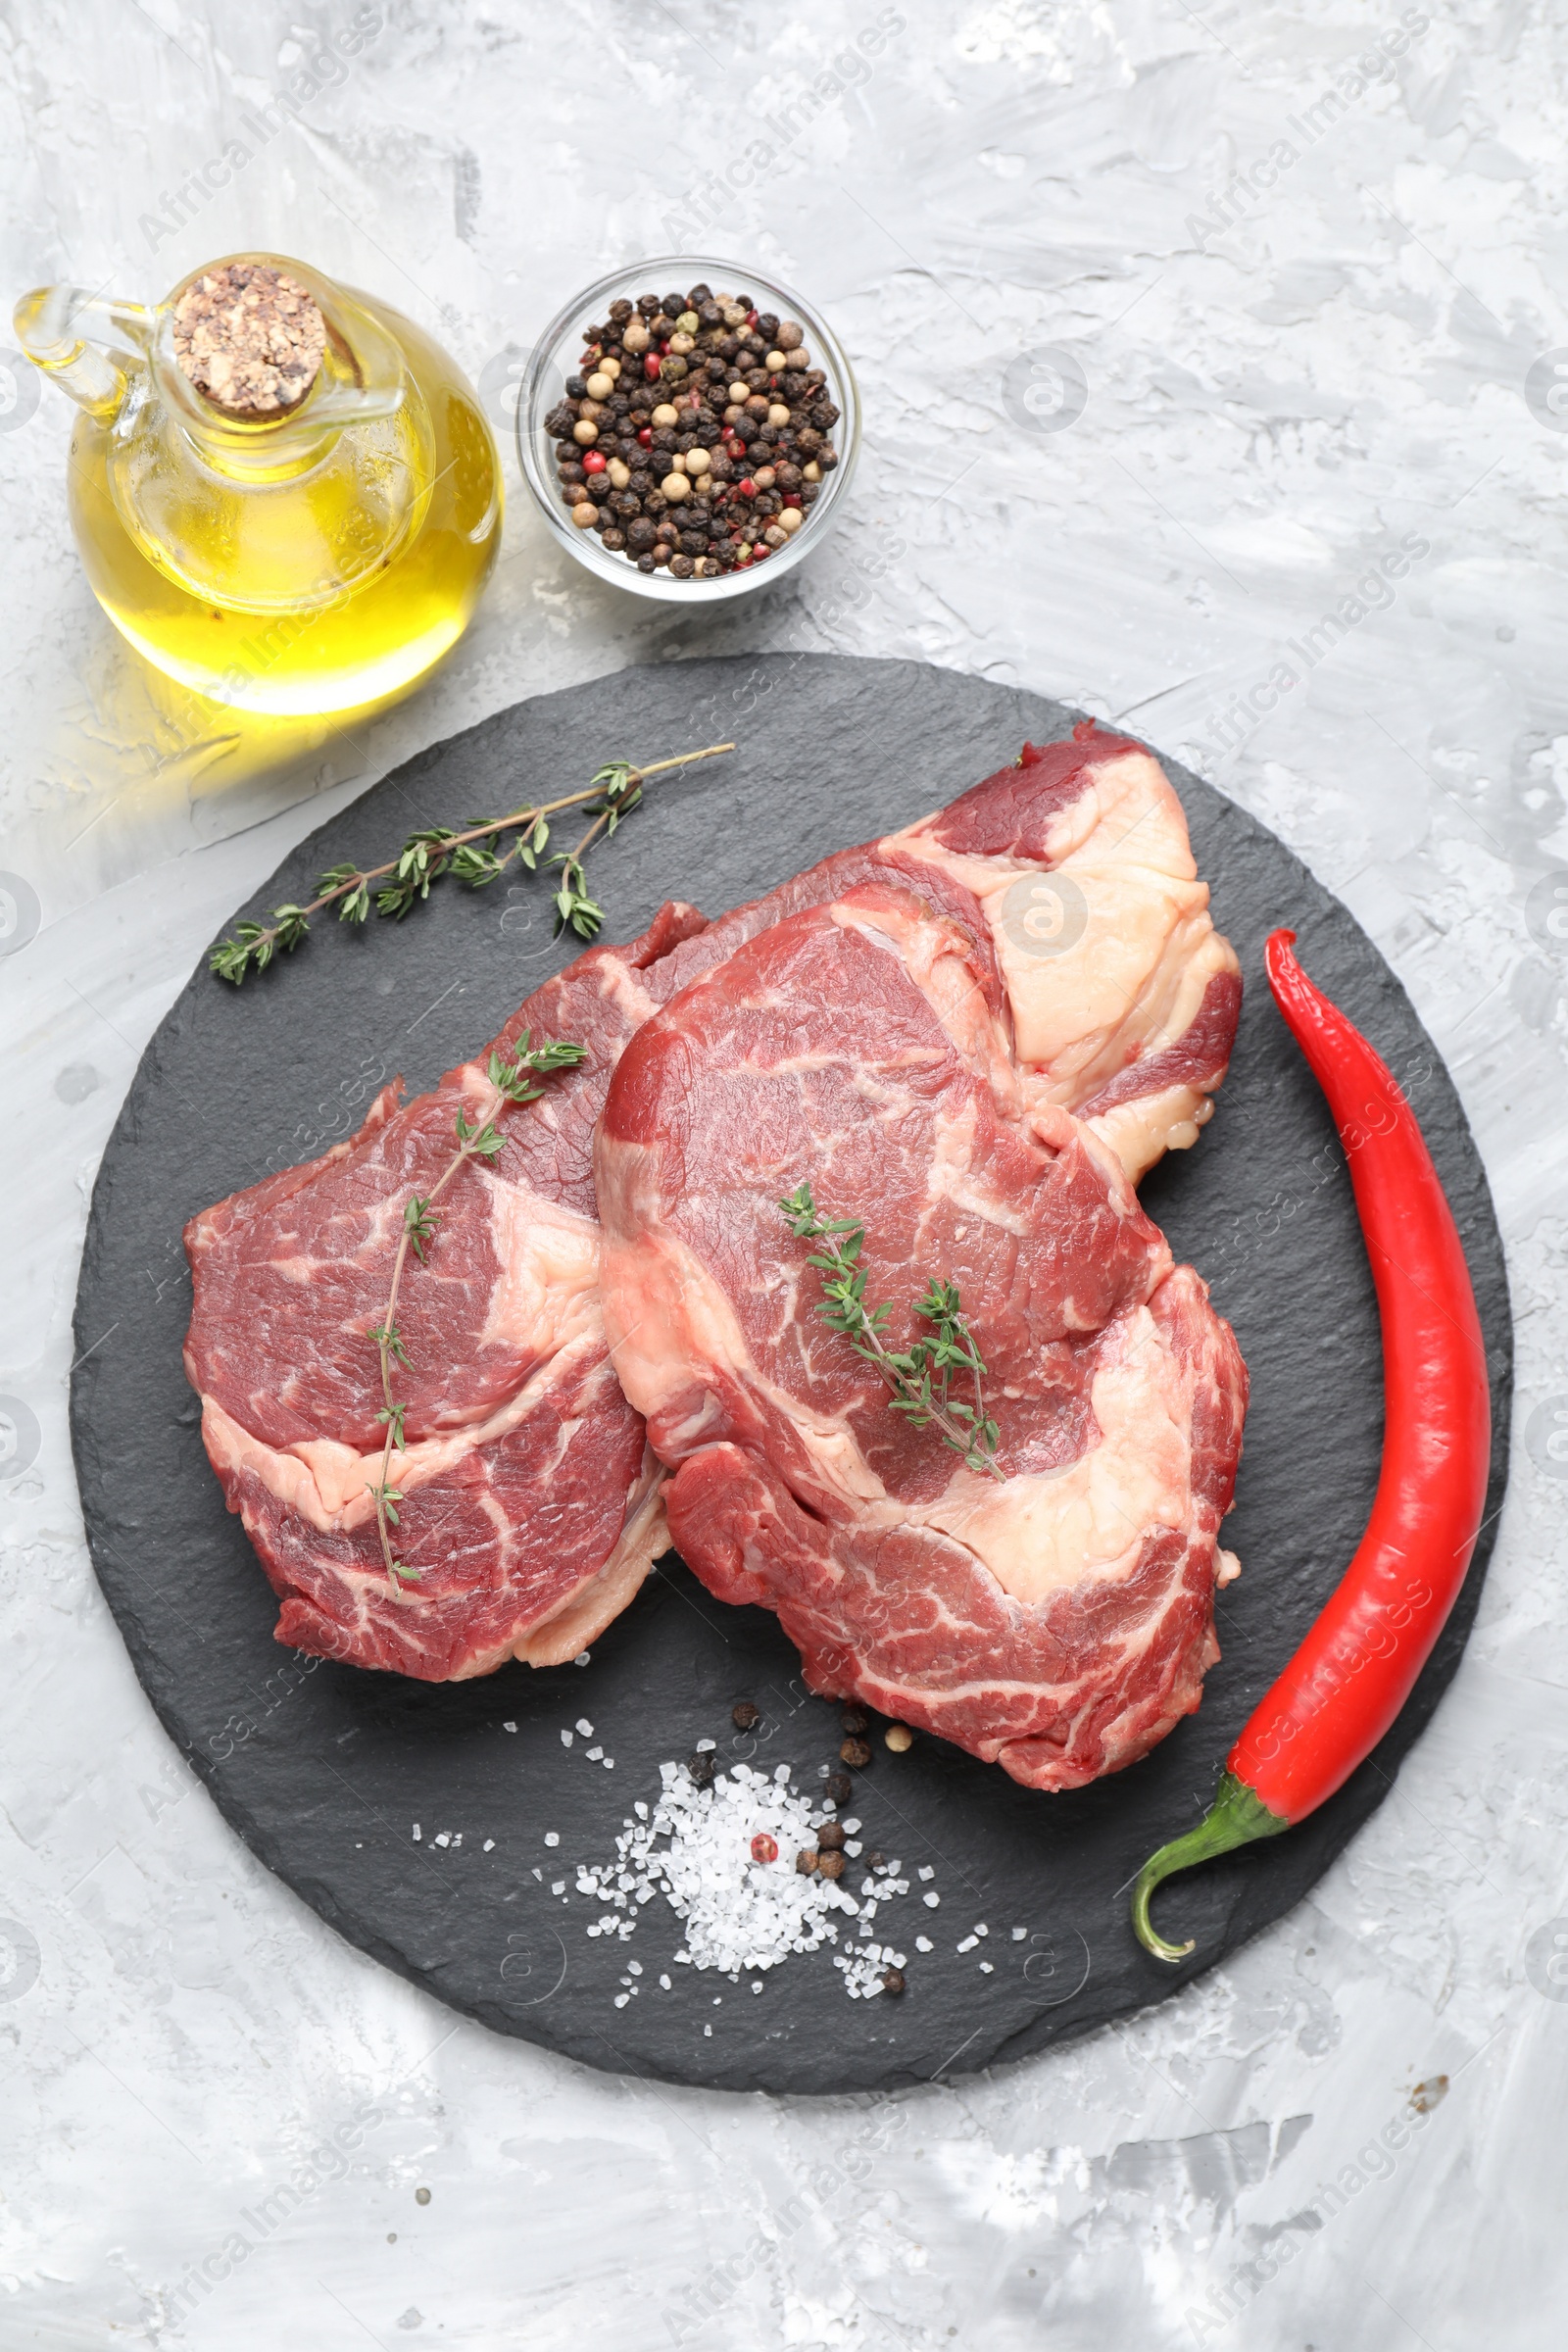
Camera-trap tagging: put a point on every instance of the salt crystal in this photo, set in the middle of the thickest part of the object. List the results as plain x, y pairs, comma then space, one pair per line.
552, 1837
457, 1839
852, 1846
708, 2032
634, 1968
850, 1826
986, 1969
924, 1943
757, 1988
931, 1901
1019, 1934
665, 1982
968, 1943
610, 1763
707, 1747
581, 1659
539, 1874
558, 1886
416, 1833
565, 1739
489, 1845
981, 1929
443, 1837
621, 1998
509, 1726
585, 1727
594, 1754
925, 1871
695, 1851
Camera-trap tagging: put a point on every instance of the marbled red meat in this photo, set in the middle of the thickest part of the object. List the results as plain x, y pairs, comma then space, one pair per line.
1059, 1620
530, 1503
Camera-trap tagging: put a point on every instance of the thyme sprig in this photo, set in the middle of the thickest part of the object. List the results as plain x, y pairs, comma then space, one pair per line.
920, 1376
474, 857
514, 1082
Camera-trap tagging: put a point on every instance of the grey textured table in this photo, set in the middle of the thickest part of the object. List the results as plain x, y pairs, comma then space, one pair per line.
1169, 328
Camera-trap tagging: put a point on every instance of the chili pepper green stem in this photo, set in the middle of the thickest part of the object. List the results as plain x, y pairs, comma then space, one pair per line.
1237, 1816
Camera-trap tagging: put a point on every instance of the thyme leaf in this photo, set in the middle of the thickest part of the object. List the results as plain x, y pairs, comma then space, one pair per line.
514, 1080
920, 1376
477, 855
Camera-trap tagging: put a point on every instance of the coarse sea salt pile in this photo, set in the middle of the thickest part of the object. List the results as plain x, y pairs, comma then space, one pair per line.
695, 1848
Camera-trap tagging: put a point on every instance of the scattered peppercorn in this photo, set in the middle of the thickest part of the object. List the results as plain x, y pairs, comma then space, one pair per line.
763, 1848
855, 1721
700, 1768
725, 402
892, 1979
743, 1715
857, 1753
830, 1837
876, 1860
806, 1861
898, 1736
830, 1865
838, 1788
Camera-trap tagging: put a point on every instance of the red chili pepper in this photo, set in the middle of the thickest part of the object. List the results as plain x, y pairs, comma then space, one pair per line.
1356, 1667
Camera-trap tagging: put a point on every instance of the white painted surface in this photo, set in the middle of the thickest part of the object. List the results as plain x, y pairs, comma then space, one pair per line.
1270, 408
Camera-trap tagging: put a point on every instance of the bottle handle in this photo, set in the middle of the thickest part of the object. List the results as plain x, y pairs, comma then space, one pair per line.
53, 327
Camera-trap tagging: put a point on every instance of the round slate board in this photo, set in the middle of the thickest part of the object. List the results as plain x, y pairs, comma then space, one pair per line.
324, 1770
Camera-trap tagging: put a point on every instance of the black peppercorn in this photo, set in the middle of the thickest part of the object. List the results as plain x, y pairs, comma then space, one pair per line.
839, 1788
619, 312
743, 1715
892, 1979
830, 1837
830, 1865
876, 1860
699, 295
576, 387
648, 305
680, 567
646, 563
806, 1861
857, 1753
854, 1720
614, 541
700, 1768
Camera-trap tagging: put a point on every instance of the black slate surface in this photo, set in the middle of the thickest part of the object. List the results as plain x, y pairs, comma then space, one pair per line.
324, 1770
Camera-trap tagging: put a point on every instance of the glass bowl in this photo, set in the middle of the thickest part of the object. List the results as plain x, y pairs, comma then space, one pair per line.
555, 355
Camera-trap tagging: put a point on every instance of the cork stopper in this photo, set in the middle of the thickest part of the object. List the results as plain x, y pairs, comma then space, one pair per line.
249, 339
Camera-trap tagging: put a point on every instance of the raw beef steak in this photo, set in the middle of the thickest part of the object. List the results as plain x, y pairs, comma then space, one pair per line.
530, 1502
1059, 1620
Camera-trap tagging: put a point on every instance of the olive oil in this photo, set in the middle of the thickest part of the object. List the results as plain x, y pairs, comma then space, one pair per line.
315, 562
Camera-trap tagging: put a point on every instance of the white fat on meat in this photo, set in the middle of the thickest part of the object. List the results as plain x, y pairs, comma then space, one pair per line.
548, 1260
1038, 1535
1131, 980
